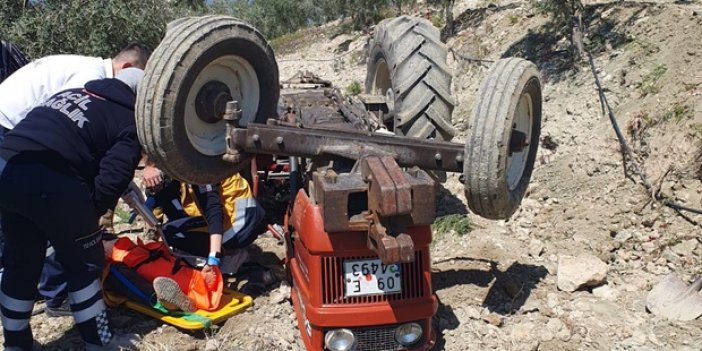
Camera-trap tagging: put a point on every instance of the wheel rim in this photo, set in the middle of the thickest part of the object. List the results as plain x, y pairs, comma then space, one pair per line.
207, 134
382, 85
520, 138
381, 78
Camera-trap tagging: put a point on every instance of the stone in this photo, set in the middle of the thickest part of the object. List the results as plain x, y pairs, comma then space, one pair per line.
523, 332
212, 345
536, 248
648, 246
685, 248
493, 319
472, 312
575, 272
623, 236
605, 292
280, 295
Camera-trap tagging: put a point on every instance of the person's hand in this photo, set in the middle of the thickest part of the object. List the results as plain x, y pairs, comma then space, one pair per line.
209, 274
152, 176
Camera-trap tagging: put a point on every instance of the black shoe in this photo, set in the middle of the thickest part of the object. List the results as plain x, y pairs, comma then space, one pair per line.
61, 311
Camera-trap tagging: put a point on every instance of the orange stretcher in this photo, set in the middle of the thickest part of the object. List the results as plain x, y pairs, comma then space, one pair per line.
232, 303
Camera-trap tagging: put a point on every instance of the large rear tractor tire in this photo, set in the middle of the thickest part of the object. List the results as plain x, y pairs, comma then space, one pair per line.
407, 64
202, 63
503, 138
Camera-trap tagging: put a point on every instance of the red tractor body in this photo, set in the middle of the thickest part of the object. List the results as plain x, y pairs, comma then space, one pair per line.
324, 299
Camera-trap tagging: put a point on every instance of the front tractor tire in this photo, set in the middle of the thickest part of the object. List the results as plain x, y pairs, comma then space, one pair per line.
200, 64
407, 64
503, 138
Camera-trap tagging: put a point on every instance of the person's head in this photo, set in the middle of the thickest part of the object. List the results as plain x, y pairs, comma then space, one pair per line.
130, 76
133, 55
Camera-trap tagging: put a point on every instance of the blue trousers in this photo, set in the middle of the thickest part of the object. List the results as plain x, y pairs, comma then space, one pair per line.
42, 202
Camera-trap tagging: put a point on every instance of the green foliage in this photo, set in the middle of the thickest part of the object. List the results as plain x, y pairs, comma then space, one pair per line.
650, 82
402, 5
437, 19
354, 88
679, 112
458, 223
9, 11
96, 28
638, 45
122, 215
286, 42
101, 28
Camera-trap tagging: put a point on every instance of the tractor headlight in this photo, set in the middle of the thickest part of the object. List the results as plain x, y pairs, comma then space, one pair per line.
408, 334
340, 340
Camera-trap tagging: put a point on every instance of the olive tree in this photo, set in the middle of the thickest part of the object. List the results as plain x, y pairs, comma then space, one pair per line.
98, 28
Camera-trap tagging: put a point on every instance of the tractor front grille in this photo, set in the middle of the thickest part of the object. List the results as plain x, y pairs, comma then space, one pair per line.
413, 284
381, 338
376, 339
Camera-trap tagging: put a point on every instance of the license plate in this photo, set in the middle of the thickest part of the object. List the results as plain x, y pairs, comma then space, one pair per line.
371, 277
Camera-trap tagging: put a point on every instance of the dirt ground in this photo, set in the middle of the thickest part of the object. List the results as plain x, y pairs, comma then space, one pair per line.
497, 282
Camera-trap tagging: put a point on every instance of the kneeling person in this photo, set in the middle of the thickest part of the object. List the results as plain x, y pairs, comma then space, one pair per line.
215, 221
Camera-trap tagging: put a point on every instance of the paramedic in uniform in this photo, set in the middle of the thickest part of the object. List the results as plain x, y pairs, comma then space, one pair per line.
33, 84
63, 166
217, 221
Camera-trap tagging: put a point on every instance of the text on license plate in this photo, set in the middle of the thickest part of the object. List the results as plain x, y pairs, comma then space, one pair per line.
371, 277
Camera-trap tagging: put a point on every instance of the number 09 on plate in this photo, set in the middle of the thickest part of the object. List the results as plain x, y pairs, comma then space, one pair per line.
371, 277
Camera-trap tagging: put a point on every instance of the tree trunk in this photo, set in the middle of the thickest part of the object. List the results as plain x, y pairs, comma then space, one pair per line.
578, 35
448, 12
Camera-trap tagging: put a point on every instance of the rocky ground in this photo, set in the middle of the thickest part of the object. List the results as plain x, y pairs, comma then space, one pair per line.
498, 283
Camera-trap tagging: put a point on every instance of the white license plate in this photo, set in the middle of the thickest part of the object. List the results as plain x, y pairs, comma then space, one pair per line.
371, 277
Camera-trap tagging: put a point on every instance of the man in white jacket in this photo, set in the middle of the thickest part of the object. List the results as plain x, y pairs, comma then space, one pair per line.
33, 84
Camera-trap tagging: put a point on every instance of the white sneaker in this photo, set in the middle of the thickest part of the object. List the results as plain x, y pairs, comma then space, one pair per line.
232, 262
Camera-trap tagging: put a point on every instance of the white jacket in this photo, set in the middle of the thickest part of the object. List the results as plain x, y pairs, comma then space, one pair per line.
37, 81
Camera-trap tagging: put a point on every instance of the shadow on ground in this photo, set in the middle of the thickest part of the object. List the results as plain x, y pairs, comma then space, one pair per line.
508, 290
448, 203
122, 321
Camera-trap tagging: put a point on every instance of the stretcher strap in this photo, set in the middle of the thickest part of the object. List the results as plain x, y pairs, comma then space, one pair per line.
129, 285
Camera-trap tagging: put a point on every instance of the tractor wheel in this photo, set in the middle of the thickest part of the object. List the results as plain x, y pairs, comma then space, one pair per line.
202, 63
503, 138
407, 64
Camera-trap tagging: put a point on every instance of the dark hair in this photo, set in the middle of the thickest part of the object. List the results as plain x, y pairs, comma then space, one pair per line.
136, 53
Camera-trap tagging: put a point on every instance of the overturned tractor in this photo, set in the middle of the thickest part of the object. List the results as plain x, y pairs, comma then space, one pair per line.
361, 171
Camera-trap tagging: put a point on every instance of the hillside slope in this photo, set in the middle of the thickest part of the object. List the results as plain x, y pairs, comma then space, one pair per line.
497, 283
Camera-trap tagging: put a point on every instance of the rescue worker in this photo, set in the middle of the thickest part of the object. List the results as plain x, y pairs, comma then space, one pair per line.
31, 85
217, 221
11, 59
64, 165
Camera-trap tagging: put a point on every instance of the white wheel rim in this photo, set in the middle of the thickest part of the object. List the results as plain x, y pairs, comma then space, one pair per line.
234, 71
516, 161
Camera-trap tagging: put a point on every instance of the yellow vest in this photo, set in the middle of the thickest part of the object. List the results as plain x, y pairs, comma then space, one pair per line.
232, 190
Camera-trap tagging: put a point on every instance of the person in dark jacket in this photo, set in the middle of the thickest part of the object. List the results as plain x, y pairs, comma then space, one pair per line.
61, 168
11, 59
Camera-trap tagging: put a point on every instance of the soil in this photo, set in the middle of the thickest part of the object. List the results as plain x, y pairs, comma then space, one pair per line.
497, 281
